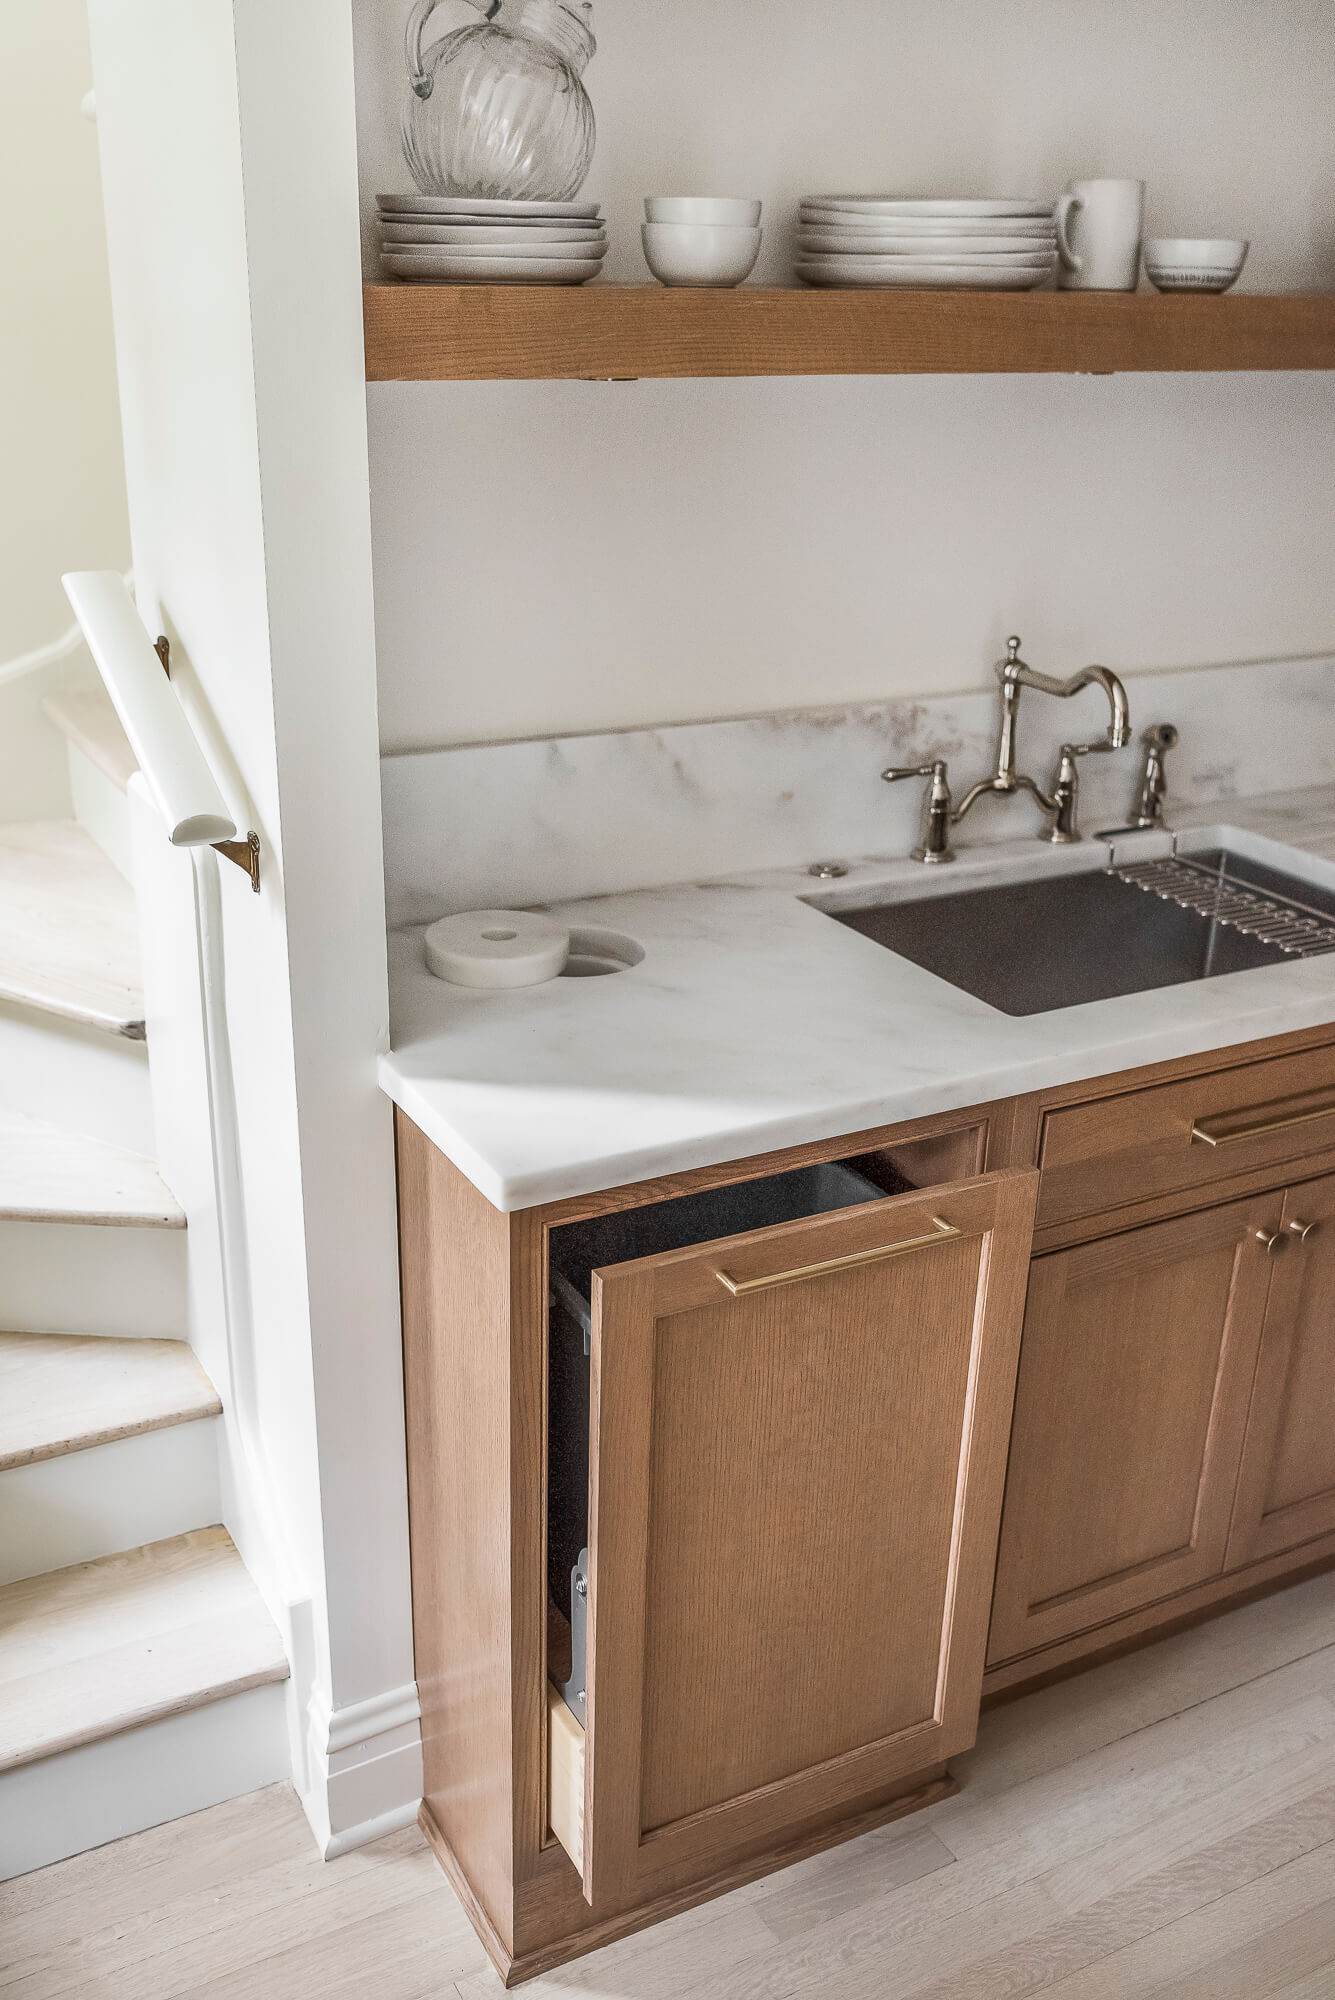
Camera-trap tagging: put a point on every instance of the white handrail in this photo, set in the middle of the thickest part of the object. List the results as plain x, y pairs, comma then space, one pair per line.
51, 654
183, 787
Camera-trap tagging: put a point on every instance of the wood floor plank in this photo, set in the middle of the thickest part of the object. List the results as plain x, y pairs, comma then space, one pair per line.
1206, 1817
1040, 1962
1318, 1986
1302, 1947
49, 1917
1123, 1696
1139, 1971
851, 1878
402, 1953
280, 1912
1088, 1797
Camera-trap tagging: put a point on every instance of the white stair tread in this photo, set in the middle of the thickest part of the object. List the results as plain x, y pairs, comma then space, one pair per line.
50, 1175
105, 1646
69, 938
89, 721
62, 1392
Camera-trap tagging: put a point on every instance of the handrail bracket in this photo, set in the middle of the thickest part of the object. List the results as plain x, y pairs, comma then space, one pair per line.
245, 853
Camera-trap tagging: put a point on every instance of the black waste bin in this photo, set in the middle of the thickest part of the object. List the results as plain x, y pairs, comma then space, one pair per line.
580, 1248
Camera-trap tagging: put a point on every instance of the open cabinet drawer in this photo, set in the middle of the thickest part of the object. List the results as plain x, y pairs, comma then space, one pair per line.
797, 1449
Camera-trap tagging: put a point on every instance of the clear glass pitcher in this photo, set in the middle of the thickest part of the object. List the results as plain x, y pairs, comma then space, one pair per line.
501, 113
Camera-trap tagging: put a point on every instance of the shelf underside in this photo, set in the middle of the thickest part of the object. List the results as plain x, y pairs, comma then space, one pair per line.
422, 333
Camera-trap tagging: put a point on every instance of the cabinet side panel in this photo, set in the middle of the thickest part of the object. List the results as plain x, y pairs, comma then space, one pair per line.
456, 1351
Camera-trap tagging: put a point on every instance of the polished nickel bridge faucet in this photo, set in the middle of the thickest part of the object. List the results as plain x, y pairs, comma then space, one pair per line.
1062, 803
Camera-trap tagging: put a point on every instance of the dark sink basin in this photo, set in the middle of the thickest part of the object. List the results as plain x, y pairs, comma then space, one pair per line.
1060, 940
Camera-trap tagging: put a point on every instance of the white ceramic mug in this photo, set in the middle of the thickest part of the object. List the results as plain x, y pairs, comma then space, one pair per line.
1098, 235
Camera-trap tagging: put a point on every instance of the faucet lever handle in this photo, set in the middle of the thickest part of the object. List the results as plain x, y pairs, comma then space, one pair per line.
934, 839
936, 771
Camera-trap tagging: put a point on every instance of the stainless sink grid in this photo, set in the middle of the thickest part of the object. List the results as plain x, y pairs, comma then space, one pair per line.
1212, 892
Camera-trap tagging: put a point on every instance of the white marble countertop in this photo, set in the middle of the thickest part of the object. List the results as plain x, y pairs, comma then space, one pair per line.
755, 1022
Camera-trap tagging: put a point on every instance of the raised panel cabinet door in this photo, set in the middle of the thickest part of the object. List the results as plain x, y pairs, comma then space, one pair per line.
1135, 1373
797, 1459
1286, 1488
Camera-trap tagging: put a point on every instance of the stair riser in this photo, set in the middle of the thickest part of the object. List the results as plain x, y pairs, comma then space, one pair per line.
82, 1798
78, 1278
102, 810
111, 1497
80, 1078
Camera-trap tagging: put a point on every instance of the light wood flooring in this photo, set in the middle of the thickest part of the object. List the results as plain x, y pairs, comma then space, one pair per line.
1164, 1825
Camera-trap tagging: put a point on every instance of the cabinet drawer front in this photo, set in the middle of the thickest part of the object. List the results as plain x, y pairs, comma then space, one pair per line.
1175, 1136
798, 1444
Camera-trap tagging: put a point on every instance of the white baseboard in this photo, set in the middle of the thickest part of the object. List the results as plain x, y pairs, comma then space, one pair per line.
371, 1829
63, 1805
364, 1767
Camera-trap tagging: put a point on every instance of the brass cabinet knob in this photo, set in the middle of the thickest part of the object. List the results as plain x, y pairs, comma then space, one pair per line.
1273, 1243
1302, 1230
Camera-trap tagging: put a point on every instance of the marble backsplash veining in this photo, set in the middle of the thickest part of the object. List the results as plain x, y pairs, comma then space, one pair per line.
511, 824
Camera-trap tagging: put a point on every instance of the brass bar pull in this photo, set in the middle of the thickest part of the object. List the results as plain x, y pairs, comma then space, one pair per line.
740, 1287
1208, 1133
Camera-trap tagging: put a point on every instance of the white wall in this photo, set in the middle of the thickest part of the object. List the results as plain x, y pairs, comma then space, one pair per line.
242, 384
62, 491
575, 556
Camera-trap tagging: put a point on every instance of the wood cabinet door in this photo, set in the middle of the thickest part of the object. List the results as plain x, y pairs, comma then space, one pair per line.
797, 1459
1286, 1488
1135, 1373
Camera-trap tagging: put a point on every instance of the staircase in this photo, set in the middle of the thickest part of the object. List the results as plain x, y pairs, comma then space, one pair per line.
140, 1673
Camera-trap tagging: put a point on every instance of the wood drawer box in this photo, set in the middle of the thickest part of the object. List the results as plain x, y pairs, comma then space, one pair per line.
1174, 1137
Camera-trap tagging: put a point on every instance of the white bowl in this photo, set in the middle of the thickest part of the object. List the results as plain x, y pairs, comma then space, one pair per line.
1194, 263
700, 253
701, 208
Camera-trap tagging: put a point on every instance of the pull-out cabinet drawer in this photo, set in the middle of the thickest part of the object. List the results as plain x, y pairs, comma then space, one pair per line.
1140, 1144
796, 1457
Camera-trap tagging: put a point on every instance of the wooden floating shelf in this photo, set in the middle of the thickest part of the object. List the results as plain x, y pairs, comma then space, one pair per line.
473, 333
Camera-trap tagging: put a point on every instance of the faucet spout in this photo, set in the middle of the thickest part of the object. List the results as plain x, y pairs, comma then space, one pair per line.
1006, 780
1014, 674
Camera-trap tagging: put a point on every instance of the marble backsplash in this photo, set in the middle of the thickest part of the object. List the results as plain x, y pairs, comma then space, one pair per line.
510, 824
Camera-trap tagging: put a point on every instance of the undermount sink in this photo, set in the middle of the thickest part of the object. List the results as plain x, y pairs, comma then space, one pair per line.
1031, 946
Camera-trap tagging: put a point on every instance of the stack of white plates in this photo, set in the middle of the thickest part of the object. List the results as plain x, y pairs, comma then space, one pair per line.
861, 241
458, 240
